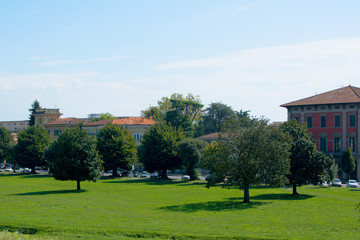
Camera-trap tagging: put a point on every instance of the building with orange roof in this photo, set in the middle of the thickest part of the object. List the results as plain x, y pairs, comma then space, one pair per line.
333, 120
137, 126
54, 128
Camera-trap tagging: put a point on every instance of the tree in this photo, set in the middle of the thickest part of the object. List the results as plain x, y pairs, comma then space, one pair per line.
117, 148
215, 117
73, 156
177, 118
34, 106
32, 142
6, 144
192, 107
104, 116
307, 164
190, 151
348, 162
252, 155
158, 151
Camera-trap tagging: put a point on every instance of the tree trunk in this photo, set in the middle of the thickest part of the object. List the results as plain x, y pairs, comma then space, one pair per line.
114, 173
163, 174
295, 193
246, 195
78, 185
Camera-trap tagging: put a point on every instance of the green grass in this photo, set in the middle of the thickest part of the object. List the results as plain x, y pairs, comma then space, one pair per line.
149, 209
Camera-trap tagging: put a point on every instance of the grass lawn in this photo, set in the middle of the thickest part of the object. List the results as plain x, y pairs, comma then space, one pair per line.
115, 208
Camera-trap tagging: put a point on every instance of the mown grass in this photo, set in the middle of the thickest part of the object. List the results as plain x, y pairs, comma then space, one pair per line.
115, 208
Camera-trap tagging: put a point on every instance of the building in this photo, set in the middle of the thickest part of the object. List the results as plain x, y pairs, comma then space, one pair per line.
137, 126
14, 126
54, 128
333, 119
46, 115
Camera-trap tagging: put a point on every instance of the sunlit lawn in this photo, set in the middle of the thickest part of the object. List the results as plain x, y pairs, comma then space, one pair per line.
115, 208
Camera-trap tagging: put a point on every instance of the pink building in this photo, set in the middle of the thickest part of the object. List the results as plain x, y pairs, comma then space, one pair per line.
333, 119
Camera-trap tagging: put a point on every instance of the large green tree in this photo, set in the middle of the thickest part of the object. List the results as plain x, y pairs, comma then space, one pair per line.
177, 118
34, 106
307, 163
32, 142
6, 144
215, 117
190, 151
104, 116
348, 162
117, 148
73, 156
251, 156
192, 107
158, 151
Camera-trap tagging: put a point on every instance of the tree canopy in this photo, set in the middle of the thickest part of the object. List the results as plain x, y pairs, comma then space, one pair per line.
307, 164
104, 116
190, 151
252, 155
117, 148
348, 162
73, 156
158, 151
34, 106
6, 144
32, 142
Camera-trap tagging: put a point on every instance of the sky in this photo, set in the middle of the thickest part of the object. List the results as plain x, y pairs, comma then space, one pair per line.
97, 56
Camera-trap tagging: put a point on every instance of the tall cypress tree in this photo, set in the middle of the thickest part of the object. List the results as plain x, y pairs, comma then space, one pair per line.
34, 106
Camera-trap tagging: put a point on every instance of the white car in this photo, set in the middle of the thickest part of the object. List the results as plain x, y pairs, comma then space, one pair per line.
9, 169
154, 175
337, 183
144, 174
185, 177
352, 183
25, 170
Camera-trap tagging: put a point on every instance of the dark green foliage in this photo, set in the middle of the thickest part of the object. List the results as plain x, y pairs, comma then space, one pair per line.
34, 106
6, 144
177, 118
190, 151
348, 162
73, 156
215, 117
253, 155
32, 142
158, 151
307, 164
117, 148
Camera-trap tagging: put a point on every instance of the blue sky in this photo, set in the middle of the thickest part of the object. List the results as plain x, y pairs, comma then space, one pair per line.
123, 56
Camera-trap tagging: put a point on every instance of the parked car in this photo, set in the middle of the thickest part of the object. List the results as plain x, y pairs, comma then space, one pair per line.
352, 183
336, 183
185, 177
154, 175
144, 174
25, 170
8, 169
2, 165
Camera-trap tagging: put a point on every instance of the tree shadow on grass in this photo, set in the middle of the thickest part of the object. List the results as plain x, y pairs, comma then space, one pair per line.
148, 181
39, 193
36, 175
212, 206
356, 190
278, 196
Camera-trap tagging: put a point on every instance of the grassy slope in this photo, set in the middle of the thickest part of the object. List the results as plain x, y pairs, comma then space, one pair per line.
144, 208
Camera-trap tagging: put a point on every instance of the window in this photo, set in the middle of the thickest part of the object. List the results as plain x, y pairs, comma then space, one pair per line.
297, 118
337, 107
352, 121
322, 144
309, 121
57, 132
336, 144
337, 120
323, 121
138, 137
352, 144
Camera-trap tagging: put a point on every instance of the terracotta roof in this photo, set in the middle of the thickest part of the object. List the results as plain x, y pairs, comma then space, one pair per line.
123, 121
212, 136
68, 121
347, 94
